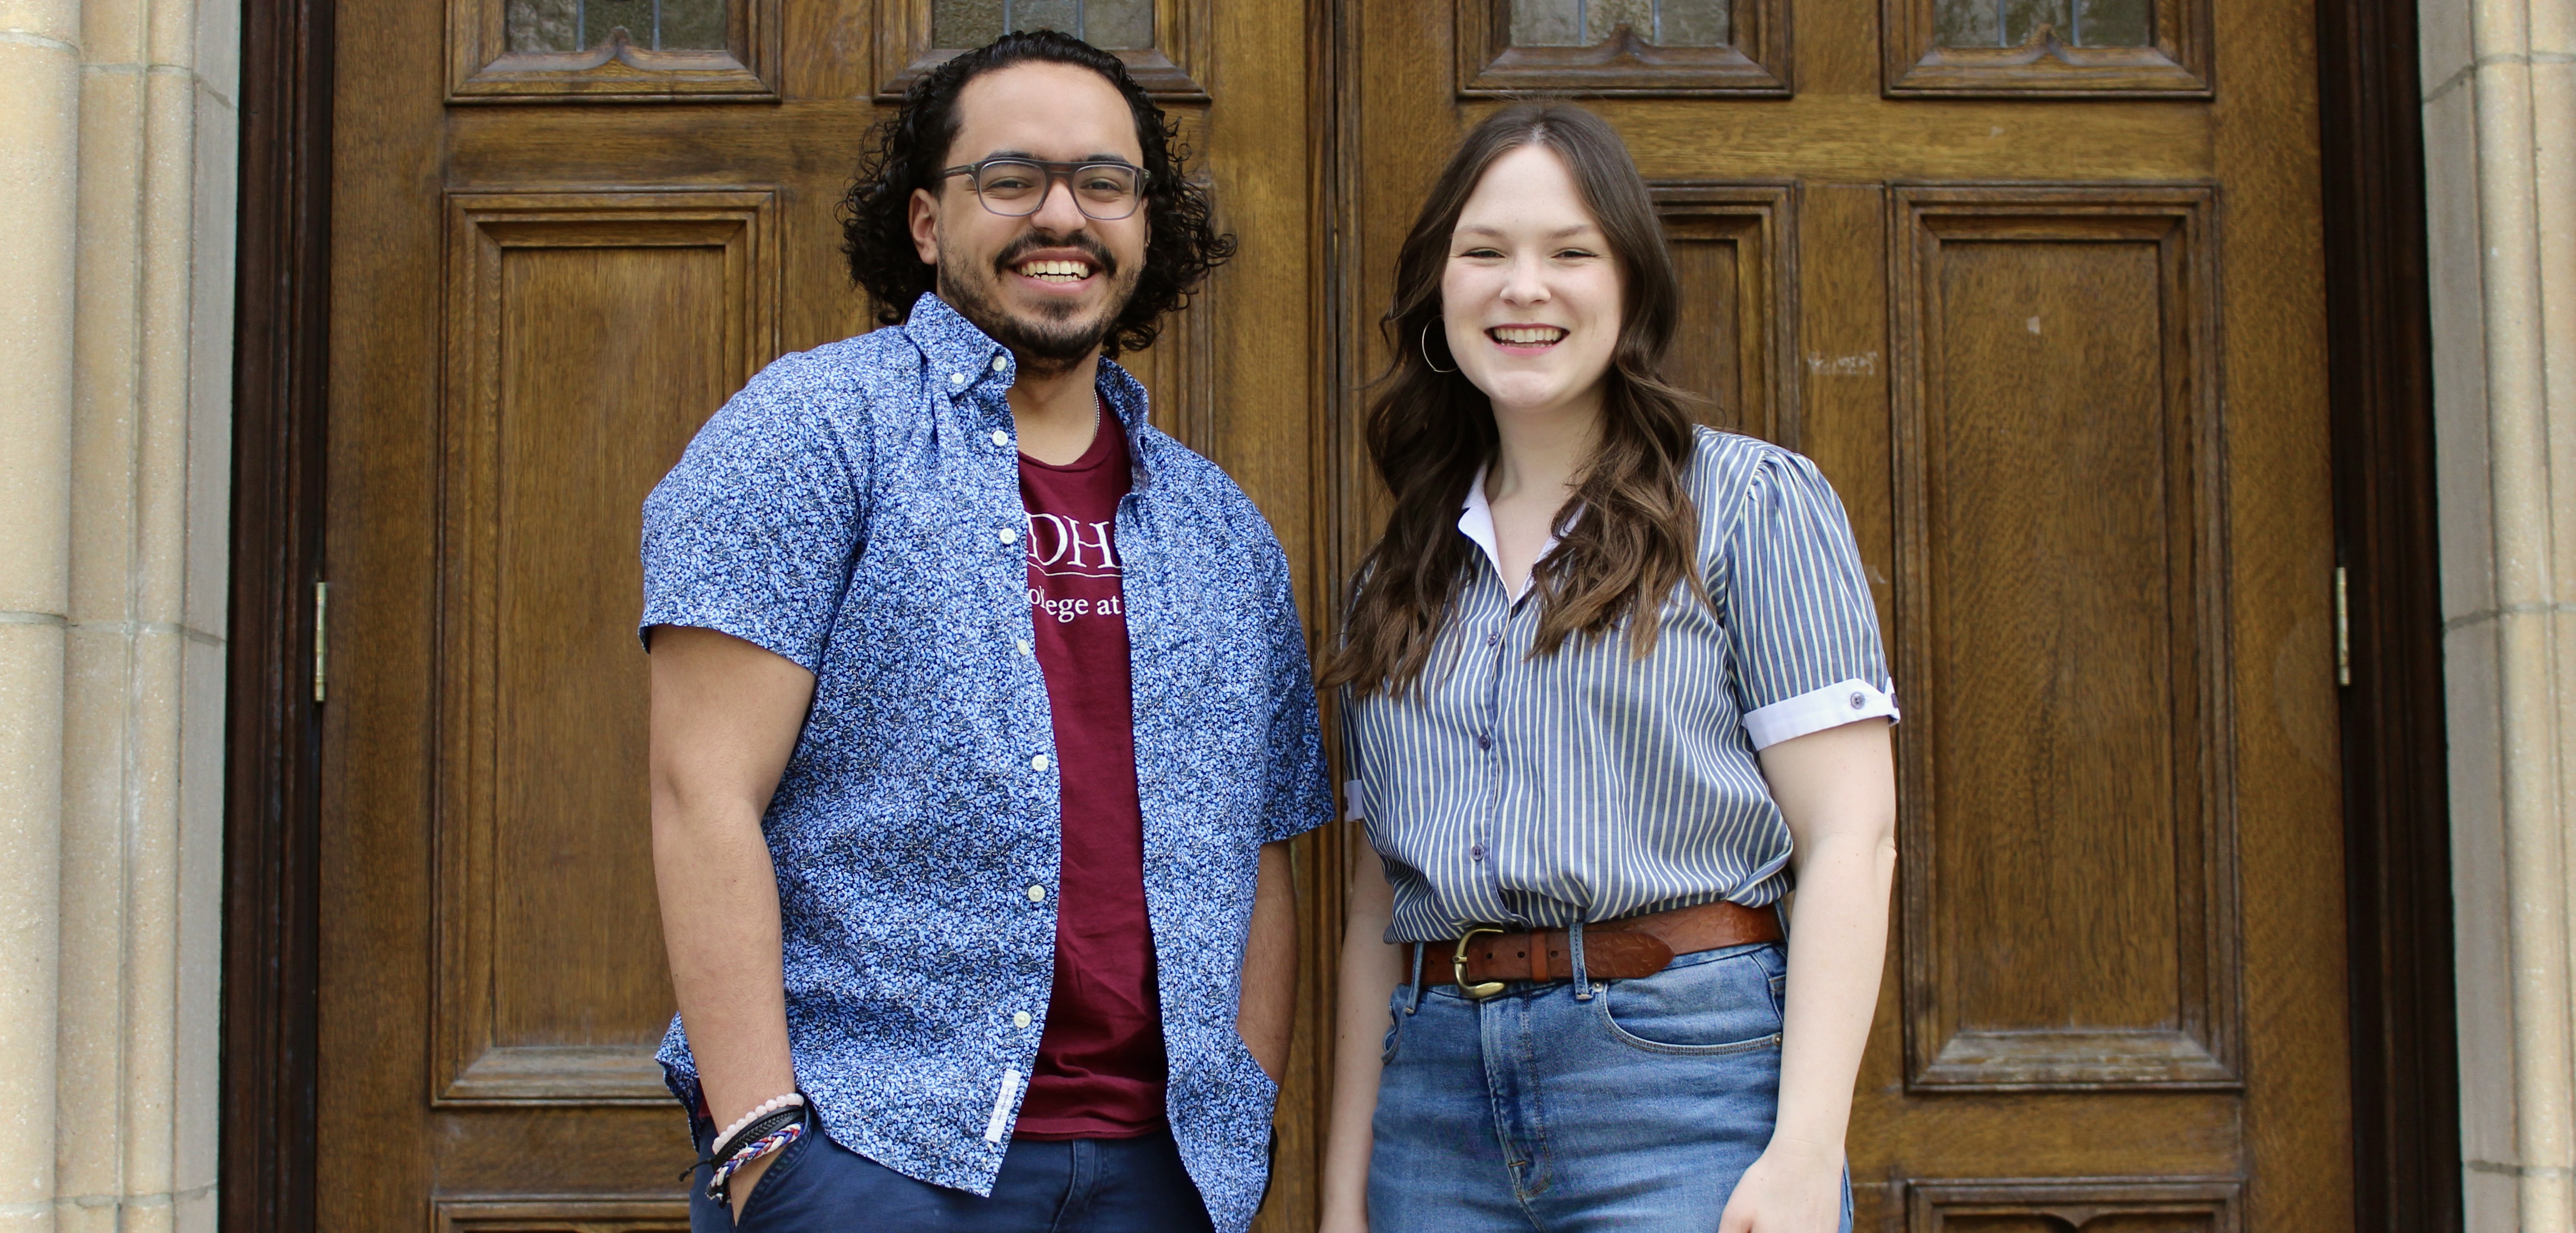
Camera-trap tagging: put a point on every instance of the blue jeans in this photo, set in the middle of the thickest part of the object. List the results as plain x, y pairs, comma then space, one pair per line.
1070, 1186
1630, 1105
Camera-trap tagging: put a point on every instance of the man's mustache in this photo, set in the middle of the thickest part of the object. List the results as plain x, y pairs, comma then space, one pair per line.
1035, 240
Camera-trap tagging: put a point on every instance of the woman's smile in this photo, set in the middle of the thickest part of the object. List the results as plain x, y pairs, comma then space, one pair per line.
1525, 339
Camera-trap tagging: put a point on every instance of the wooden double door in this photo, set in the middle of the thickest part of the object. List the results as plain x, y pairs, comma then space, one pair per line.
2036, 282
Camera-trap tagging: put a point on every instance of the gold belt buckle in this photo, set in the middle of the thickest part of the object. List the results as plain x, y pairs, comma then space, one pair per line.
1458, 965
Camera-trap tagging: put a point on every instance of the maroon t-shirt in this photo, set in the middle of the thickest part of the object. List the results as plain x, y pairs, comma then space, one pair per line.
1100, 1062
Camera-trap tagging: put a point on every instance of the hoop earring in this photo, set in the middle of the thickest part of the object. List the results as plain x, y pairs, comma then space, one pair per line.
1425, 341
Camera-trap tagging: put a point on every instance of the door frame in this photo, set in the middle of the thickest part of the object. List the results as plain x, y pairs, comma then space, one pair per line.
2397, 844
272, 751
2405, 1055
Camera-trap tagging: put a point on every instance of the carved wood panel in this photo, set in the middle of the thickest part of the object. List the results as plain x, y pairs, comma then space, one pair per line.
2069, 887
2073, 1205
1180, 382
614, 64
588, 336
1174, 68
1735, 249
2164, 52
515, 1215
1754, 61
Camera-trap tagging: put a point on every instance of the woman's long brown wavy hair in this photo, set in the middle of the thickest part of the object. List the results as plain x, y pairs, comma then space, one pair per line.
1429, 430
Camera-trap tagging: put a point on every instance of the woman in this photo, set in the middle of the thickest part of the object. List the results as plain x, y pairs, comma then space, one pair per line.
1612, 684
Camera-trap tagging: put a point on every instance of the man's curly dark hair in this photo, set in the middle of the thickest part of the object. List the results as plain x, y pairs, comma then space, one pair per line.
911, 147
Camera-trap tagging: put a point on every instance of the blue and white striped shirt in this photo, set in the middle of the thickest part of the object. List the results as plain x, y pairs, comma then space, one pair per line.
1590, 784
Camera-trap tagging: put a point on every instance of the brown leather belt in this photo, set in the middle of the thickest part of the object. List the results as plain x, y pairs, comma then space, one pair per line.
1487, 958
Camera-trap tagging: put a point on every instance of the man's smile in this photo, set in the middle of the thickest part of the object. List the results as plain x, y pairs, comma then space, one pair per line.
1056, 270
1056, 267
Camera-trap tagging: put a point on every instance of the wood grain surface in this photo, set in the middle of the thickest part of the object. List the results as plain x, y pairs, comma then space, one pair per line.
2027, 337
2110, 541
549, 296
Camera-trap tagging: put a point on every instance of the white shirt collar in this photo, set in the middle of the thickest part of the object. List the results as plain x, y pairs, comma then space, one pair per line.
1476, 522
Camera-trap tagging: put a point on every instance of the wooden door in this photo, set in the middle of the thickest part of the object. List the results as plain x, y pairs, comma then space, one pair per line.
2038, 284
563, 232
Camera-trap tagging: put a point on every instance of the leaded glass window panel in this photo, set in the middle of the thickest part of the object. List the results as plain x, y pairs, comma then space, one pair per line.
2013, 23
541, 26
2048, 48
1590, 23
1120, 25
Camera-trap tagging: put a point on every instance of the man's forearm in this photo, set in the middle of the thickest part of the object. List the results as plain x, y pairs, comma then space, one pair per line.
720, 923
1267, 1015
726, 715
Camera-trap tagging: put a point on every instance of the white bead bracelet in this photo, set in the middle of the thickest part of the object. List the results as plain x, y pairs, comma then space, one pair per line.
759, 1111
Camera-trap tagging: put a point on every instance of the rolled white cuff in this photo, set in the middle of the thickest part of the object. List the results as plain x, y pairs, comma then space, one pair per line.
1819, 709
1355, 800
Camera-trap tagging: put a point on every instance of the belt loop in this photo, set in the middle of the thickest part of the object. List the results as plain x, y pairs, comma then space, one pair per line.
1582, 978
1413, 1001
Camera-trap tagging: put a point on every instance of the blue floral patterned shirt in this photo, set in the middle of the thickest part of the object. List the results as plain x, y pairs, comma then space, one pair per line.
856, 509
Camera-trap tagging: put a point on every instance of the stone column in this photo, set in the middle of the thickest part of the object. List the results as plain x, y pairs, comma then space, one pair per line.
116, 287
39, 173
2500, 116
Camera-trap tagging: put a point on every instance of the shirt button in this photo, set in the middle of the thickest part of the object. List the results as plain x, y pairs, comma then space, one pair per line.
1857, 701
956, 378
998, 365
1000, 437
1022, 644
1021, 1019
1478, 851
1484, 741
1491, 639
1008, 535
1038, 763
1037, 894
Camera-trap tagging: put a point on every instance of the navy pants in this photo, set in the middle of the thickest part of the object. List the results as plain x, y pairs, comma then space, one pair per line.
1072, 1186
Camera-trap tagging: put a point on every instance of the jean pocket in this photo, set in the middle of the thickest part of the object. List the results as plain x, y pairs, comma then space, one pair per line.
1724, 1003
778, 1177
1394, 1024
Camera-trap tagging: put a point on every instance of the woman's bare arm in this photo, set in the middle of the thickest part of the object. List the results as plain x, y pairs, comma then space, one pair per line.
1838, 790
1371, 970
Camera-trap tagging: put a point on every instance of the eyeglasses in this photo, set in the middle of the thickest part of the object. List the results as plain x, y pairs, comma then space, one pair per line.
1016, 187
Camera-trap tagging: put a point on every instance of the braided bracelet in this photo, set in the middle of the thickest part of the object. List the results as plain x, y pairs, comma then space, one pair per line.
749, 1144
717, 1187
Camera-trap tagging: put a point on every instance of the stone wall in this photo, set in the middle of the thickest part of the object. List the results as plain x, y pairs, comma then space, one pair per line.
117, 160
2500, 145
117, 125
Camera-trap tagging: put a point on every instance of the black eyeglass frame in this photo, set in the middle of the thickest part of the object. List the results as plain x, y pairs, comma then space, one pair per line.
974, 173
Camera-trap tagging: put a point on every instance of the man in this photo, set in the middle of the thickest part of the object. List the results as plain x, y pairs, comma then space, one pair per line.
981, 713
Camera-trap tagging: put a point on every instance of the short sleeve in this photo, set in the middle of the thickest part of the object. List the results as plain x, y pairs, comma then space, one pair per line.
753, 532
1300, 790
1799, 618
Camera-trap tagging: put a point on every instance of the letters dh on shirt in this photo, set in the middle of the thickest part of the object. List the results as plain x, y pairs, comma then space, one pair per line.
1073, 568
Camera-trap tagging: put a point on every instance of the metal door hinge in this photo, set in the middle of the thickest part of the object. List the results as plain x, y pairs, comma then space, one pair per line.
2343, 631
321, 639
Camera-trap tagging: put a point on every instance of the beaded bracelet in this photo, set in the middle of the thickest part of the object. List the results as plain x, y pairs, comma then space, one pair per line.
717, 1185
761, 1110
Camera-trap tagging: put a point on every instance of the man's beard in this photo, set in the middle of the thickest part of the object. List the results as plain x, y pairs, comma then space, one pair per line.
1040, 340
